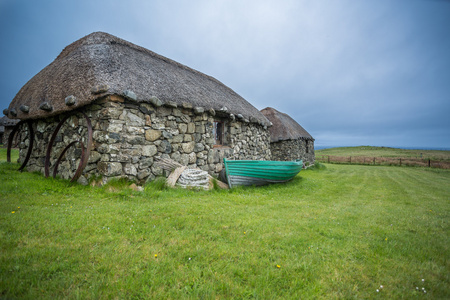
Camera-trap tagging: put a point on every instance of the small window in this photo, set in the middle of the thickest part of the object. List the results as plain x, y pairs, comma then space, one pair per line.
307, 146
218, 132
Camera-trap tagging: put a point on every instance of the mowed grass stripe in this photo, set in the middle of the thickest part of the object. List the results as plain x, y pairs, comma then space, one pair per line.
334, 233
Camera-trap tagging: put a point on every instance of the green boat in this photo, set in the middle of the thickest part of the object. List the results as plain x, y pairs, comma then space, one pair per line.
260, 172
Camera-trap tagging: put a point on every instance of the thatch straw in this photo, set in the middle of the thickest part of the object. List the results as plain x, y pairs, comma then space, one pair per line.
101, 64
284, 127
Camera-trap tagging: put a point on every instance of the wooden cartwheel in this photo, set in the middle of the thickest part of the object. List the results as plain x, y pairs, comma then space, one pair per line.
30, 144
85, 151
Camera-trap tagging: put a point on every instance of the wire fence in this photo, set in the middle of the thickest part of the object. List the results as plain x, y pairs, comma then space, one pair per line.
387, 161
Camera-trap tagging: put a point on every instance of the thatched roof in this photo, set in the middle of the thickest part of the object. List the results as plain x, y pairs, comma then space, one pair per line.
284, 127
5, 121
100, 64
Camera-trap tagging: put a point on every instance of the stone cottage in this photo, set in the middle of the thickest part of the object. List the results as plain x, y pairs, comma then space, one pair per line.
6, 126
109, 108
288, 140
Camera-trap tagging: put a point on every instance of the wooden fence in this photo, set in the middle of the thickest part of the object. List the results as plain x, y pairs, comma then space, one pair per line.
390, 161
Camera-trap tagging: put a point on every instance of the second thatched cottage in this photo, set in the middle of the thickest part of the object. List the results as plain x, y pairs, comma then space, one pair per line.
108, 107
288, 140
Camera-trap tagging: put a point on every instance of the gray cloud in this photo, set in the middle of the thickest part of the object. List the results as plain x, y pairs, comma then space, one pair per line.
350, 72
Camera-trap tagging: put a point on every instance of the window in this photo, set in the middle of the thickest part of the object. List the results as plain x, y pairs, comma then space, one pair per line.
307, 146
218, 132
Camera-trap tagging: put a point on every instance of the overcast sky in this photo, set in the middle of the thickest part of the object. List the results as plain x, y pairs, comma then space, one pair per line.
351, 72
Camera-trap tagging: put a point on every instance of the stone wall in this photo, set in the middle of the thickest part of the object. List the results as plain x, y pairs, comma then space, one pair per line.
293, 149
128, 137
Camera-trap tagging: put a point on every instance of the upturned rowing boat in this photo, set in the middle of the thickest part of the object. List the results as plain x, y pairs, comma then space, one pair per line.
260, 172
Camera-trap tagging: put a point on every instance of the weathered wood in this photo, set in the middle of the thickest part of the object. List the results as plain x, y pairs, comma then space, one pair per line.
167, 164
173, 177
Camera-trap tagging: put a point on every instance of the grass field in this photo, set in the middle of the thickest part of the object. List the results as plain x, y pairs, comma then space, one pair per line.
370, 151
339, 232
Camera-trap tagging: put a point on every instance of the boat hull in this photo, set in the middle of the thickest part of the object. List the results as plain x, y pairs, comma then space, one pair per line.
258, 172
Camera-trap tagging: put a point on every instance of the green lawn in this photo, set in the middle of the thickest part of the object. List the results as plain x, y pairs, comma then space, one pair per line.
339, 232
371, 151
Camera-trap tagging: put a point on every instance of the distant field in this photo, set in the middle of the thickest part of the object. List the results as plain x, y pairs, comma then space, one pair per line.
340, 232
370, 151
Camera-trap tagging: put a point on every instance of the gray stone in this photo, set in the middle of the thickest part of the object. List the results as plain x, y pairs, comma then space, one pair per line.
167, 135
145, 163
115, 126
110, 168
171, 124
184, 159
149, 150
199, 147
46, 106
70, 100
130, 95
192, 157
164, 111
155, 101
136, 130
5, 112
199, 110
143, 174
200, 129
13, 112
182, 127
110, 113
188, 147
197, 137
152, 135
134, 139
24, 108
187, 138
212, 112
94, 156
157, 171
175, 147
112, 137
176, 156
165, 146
186, 105
130, 169
98, 89
150, 178
143, 109
90, 167
178, 138
134, 120
190, 128
171, 104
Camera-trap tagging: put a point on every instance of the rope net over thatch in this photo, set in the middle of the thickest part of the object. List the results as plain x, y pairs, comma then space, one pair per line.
284, 127
100, 64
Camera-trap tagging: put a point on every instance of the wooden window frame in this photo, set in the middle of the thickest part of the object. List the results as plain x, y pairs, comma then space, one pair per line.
218, 133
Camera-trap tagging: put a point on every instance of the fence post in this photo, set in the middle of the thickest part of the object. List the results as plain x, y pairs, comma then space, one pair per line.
374, 160
429, 163
400, 161
350, 159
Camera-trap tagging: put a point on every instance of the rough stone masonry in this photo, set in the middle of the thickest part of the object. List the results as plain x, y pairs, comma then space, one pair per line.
129, 136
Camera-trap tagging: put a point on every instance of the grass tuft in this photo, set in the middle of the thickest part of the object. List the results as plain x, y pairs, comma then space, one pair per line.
340, 232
